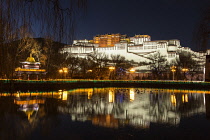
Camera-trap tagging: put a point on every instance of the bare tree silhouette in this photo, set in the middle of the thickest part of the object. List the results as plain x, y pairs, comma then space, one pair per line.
52, 19
202, 32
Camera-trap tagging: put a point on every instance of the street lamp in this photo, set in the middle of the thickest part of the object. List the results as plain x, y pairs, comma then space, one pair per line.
111, 69
63, 71
185, 70
89, 74
132, 70
173, 69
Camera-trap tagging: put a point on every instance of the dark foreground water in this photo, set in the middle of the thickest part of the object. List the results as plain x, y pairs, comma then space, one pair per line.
105, 114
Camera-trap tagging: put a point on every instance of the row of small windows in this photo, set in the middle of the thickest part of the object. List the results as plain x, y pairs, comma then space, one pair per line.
135, 48
121, 47
174, 42
100, 49
150, 47
150, 43
116, 48
74, 48
161, 46
88, 49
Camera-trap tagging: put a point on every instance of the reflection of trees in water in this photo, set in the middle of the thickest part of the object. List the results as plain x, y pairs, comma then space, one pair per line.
13, 127
121, 99
194, 105
118, 109
78, 104
160, 106
49, 116
162, 109
51, 105
81, 105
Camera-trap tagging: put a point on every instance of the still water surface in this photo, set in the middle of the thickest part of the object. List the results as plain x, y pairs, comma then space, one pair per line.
105, 114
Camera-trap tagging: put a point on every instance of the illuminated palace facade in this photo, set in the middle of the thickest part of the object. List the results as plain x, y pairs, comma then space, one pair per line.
138, 48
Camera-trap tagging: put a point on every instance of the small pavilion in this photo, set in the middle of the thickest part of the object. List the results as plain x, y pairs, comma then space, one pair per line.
30, 70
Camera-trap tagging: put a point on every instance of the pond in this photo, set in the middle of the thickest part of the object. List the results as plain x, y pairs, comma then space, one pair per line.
105, 114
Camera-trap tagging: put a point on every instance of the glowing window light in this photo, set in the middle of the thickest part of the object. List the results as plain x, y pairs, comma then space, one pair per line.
111, 96
132, 95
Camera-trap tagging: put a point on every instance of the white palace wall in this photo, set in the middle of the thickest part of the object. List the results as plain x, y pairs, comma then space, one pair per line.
138, 50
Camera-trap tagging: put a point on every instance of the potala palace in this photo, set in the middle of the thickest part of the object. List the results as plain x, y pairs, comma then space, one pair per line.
138, 48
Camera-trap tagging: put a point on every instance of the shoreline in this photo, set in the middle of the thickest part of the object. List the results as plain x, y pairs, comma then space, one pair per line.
15, 85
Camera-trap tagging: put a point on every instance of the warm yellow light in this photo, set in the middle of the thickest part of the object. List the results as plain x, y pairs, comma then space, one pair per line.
111, 96
173, 99
108, 119
185, 69
132, 95
173, 67
18, 95
90, 70
64, 95
186, 97
173, 70
90, 93
29, 102
36, 70
65, 70
183, 98
132, 70
111, 68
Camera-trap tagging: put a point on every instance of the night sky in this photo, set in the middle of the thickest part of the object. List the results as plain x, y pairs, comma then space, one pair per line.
161, 19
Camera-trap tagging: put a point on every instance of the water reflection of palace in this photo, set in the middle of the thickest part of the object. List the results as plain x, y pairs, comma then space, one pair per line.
114, 107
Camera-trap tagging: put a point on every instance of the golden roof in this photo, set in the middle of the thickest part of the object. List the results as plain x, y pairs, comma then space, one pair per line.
30, 59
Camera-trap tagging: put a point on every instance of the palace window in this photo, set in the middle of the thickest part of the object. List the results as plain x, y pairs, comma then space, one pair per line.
171, 55
150, 47
121, 47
